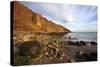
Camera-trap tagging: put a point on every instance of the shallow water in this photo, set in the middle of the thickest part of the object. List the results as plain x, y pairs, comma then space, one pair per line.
82, 36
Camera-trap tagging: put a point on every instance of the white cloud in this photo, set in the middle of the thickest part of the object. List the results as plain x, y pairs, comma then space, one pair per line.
74, 17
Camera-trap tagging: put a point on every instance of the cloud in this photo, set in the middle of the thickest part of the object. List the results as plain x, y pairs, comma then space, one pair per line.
73, 16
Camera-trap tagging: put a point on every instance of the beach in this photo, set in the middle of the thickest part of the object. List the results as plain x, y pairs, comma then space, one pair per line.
52, 48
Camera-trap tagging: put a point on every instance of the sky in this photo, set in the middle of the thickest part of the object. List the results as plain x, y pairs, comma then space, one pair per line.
77, 18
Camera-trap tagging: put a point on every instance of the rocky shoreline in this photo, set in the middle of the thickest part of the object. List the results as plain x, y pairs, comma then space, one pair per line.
48, 49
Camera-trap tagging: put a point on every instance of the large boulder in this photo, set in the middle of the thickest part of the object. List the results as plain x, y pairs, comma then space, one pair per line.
30, 48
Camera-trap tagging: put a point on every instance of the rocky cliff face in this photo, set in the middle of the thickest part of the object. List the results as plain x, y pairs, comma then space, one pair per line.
25, 19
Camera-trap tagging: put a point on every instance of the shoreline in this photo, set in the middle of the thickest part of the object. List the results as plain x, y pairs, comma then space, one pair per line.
53, 49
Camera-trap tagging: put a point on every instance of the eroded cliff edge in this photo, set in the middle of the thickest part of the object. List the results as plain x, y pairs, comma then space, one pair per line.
24, 19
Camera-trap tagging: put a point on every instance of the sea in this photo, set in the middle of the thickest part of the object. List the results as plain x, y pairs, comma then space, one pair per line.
82, 36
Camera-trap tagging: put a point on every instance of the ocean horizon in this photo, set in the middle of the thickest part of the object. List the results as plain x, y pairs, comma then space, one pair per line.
82, 36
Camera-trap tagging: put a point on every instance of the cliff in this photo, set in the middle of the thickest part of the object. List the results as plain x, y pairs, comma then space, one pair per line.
25, 19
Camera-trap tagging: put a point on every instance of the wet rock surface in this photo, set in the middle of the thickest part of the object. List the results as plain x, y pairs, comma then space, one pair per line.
48, 49
40, 48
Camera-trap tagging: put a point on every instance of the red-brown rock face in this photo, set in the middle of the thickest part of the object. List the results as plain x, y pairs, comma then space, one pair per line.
25, 19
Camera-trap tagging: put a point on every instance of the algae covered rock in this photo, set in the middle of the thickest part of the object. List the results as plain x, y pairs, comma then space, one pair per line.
30, 48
